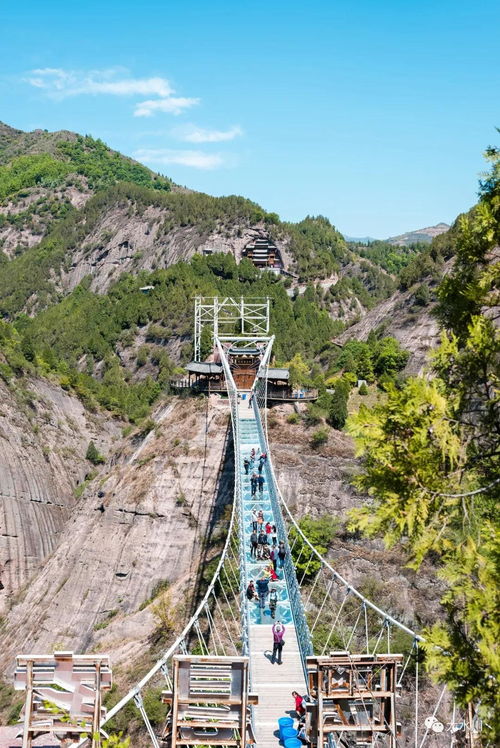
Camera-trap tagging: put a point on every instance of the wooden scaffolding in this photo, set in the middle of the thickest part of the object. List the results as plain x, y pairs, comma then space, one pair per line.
63, 694
210, 702
353, 699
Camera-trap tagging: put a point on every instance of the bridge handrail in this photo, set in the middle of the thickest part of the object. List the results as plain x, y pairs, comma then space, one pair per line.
352, 590
232, 392
297, 606
177, 643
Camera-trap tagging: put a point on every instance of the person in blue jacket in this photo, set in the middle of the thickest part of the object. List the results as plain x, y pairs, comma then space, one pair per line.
263, 591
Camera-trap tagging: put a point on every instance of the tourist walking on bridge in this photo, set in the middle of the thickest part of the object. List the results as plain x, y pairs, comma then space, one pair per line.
253, 483
278, 642
253, 544
299, 704
273, 555
263, 590
261, 481
255, 518
262, 541
281, 554
273, 601
246, 465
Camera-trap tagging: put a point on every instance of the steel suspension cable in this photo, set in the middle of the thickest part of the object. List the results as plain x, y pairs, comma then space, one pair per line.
173, 648
355, 627
305, 571
327, 593
221, 613
379, 638
313, 587
366, 629
416, 696
335, 623
383, 614
408, 659
216, 635
228, 603
433, 717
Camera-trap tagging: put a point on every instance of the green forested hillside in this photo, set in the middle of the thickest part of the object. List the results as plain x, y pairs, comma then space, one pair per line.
56, 189
34, 272
99, 343
432, 463
81, 155
85, 328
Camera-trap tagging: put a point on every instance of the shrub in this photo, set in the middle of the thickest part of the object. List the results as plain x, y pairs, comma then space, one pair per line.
314, 415
293, 418
93, 456
319, 438
363, 390
320, 532
142, 355
422, 295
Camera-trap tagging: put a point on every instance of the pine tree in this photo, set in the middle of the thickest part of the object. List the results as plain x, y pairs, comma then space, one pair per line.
93, 455
338, 405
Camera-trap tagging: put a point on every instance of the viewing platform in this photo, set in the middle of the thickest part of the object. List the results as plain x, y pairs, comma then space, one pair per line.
208, 377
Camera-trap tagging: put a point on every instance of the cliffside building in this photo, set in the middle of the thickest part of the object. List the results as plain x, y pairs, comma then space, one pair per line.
264, 254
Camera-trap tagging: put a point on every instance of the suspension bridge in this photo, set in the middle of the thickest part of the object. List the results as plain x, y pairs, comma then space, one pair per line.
218, 675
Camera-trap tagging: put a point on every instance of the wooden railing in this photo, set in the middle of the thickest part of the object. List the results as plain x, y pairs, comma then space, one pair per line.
199, 386
285, 394
274, 393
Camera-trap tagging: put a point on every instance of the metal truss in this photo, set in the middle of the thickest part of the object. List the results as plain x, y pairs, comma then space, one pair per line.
246, 319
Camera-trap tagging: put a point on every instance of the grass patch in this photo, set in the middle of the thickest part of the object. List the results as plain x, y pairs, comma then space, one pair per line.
161, 586
110, 615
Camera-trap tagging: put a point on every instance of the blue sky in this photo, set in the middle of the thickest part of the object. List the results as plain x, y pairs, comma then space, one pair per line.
374, 114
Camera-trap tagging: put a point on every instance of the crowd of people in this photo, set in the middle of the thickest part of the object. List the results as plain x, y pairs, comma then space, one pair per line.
264, 546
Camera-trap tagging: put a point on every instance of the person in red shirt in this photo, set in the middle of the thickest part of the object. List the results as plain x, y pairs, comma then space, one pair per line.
268, 528
272, 574
299, 703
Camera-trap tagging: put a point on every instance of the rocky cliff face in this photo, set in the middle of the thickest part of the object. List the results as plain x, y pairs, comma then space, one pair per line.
414, 327
143, 523
125, 240
145, 520
44, 435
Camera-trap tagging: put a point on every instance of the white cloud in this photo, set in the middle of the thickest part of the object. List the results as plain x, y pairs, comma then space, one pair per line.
113, 81
165, 156
194, 134
60, 84
172, 105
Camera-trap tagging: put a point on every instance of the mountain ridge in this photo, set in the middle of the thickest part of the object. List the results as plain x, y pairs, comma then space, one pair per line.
426, 234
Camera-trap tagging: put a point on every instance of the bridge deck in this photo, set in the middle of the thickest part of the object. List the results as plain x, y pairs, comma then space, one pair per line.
273, 683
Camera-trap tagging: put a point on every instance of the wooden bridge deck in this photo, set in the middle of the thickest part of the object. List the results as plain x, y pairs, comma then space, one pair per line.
273, 683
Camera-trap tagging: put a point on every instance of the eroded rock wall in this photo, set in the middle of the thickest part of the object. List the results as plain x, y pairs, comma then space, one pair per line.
44, 435
149, 525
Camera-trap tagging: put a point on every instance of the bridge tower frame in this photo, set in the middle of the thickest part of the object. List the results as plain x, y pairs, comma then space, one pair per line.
224, 314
